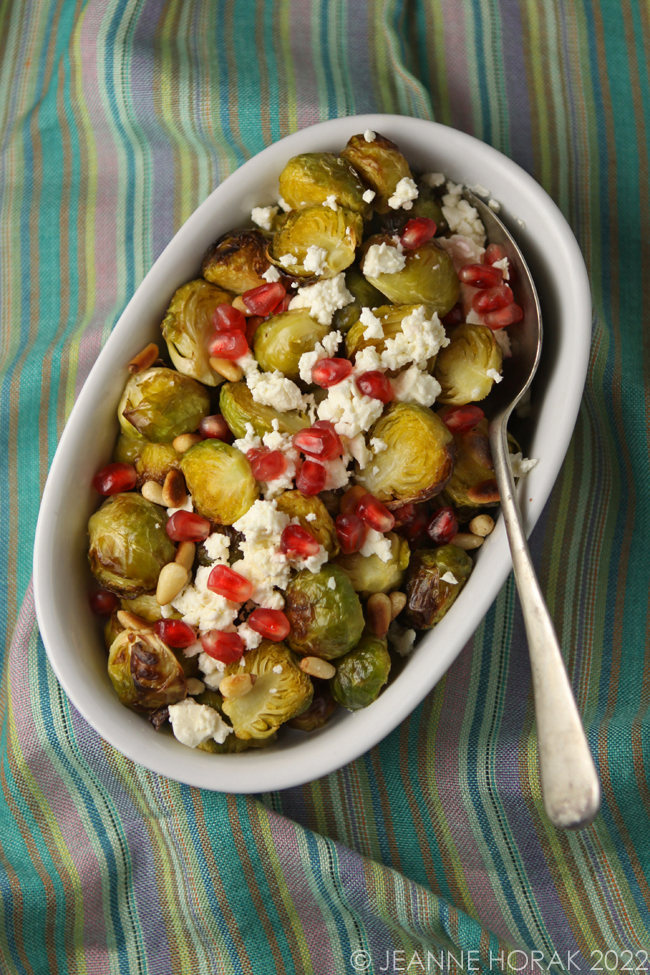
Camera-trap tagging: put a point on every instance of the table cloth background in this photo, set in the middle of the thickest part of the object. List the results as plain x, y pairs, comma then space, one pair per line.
118, 118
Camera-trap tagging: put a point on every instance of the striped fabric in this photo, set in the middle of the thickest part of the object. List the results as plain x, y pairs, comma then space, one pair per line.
430, 853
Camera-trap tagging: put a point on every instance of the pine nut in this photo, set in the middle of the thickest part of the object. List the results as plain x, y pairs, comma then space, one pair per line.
171, 580
466, 541
481, 525
132, 622
174, 492
397, 603
316, 667
195, 686
144, 359
152, 491
185, 554
379, 611
238, 303
236, 686
226, 368
184, 441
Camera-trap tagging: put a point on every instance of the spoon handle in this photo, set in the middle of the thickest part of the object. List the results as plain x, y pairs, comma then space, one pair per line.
570, 786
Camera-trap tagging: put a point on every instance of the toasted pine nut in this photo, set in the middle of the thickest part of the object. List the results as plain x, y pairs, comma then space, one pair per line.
144, 359
397, 603
152, 491
351, 499
171, 580
132, 622
466, 541
195, 686
316, 667
226, 368
185, 554
481, 525
173, 490
238, 303
236, 685
184, 441
379, 611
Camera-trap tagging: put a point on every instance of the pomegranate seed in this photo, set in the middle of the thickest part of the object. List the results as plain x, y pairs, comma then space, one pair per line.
252, 325
297, 541
103, 602
226, 647
455, 316
495, 252
263, 300
460, 419
186, 526
481, 275
228, 345
175, 633
311, 478
375, 514
442, 526
266, 465
504, 317
350, 500
493, 299
320, 440
414, 530
405, 514
351, 533
226, 582
283, 306
215, 428
329, 372
225, 318
417, 232
375, 385
115, 478
272, 624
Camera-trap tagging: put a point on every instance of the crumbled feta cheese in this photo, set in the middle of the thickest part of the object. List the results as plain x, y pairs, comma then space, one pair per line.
336, 471
310, 516
315, 260
251, 638
419, 340
461, 216
348, 409
369, 135
283, 203
272, 274
288, 260
201, 607
250, 442
479, 190
194, 723
378, 445
331, 583
462, 250
277, 669
375, 470
322, 350
195, 686
358, 450
405, 192
504, 264
401, 638
368, 360
323, 298
521, 465
377, 544
383, 259
263, 563
374, 328
284, 443
263, 216
331, 342
494, 205
450, 578
368, 196
209, 666
186, 506
274, 389
331, 202
415, 385
167, 611
433, 179
313, 562
216, 547
493, 374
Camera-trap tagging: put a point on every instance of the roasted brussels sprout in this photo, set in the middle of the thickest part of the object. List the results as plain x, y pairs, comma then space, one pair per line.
391, 317
428, 276
128, 449
462, 367
418, 461
187, 328
313, 178
281, 340
239, 408
147, 608
160, 404
323, 241
129, 544
299, 506
319, 711
380, 164
237, 261
112, 629
276, 697
472, 484
232, 745
428, 594
368, 574
325, 622
144, 672
220, 480
365, 296
154, 462
361, 674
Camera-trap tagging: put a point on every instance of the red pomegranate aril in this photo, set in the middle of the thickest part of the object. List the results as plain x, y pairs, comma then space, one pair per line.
263, 300
417, 232
102, 602
226, 582
415, 529
228, 345
272, 624
460, 419
494, 252
225, 318
252, 325
175, 633
405, 514
186, 526
376, 385
493, 299
351, 533
226, 647
296, 541
350, 499
320, 440
455, 316
283, 305
215, 428
504, 317
115, 478
266, 465
481, 275
442, 526
329, 372
375, 514
311, 478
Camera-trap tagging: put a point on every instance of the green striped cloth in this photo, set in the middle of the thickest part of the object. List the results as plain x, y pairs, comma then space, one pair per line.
430, 853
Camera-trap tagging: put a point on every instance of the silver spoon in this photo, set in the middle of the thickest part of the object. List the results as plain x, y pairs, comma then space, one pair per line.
570, 786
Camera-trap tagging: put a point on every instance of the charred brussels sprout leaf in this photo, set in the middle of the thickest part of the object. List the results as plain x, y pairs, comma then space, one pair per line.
220, 480
324, 622
128, 449
472, 484
368, 574
281, 340
380, 164
309, 179
361, 674
144, 672
155, 461
391, 317
462, 367
428, 277
299, 506
239, 408
129, 544
319, 711
187, 328
318, 232
237, 261
365, 296
428, 596
418, 460
160, 404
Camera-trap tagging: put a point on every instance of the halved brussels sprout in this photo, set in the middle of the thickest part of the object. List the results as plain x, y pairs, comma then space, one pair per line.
232, 745
144, 672
368, 574
462, 367
428, 276
129, 544
309, 179
319, 711
299, 506
325, 622
361, 674
154, 462
337, 233
428, 596
239, 408
380, 164
418, 461
128, 449
276, 696
187, 328
220, 480
391, 317
365, 296
472, 484
160, 404
237, 261
281, 340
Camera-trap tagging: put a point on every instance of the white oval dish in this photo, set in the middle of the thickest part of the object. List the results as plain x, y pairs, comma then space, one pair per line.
71, 633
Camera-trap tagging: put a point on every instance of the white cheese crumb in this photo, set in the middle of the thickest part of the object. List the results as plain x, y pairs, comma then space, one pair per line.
288, 260
263, 563
378, 445
419, 340
251, 638
313, 562
505, 267
272, 274
405, 192
493, 374
277, 669
186, 506
337, 474
383, 259
263, 216
331, 583
323, 298
369, 135
367, 360
348, 409
377, 544
194, 723
450, 578
479, 190
461, 216
273, 690
195, 686
433, 179
311, 516
494, 205
331, 202
358, 450
216, 547
521, 465
315, 260
274, 389
375, 470
322, 350
415, 385
368, 196
373, 329
462, 250
283, 203
201, 607
400, 638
